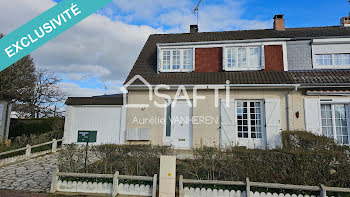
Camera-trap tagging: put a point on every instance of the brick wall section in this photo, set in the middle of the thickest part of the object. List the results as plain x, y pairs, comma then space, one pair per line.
274, 58
299, 55
208, 59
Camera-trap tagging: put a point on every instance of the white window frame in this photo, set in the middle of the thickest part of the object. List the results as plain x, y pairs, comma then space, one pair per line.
330, 46
333, 65
332, 102
182, 69
262, 54
334, 126
260, 58
262, 119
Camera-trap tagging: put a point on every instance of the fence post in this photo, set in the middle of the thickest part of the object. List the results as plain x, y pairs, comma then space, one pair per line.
247, 187
54, 145
115, 184
28, 150
154, 190
323, 191
181, 186
54, 181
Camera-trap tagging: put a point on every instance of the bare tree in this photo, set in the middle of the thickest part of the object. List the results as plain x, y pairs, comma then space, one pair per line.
46, 99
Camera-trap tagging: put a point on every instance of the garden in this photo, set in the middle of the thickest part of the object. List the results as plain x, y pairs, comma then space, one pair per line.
306, 159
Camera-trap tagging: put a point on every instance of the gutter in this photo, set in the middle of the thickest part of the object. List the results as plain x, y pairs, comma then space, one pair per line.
222, 42
326, 85
212, 86
247, 41
287, 105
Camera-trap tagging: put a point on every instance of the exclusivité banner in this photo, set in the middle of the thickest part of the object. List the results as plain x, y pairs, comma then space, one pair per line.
44, 28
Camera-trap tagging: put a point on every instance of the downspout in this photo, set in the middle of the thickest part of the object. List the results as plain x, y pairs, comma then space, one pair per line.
287, 105
7, 117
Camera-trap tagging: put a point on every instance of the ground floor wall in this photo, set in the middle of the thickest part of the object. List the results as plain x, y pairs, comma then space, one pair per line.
207, 112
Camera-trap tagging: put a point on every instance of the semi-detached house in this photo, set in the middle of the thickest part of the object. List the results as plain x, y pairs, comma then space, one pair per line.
278, 79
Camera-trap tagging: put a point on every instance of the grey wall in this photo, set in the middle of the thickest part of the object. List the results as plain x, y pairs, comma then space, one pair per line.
5, 120
299, 55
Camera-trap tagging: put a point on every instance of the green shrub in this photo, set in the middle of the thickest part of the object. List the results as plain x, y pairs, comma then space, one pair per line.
307, 141
19, 127
139, 160
71, 158
306, 159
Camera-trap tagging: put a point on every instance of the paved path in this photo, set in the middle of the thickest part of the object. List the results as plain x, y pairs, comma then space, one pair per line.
32, 175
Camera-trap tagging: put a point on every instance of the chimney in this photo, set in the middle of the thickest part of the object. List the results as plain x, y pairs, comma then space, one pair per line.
278, 24
345, 21
193, 29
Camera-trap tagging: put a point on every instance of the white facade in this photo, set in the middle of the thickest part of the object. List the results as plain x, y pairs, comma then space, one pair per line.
108, 121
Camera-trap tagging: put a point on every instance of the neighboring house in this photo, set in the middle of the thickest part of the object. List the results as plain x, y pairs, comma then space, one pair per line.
104, 114
253, 85
5, 113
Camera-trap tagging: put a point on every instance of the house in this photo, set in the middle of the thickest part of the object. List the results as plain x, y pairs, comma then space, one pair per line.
5, 112
232, 88
104, 115
253, 84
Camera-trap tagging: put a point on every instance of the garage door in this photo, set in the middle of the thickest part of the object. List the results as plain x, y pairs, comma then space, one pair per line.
106, 120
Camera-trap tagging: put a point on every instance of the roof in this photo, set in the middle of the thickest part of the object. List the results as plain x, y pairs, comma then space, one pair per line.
146, 64
116, 99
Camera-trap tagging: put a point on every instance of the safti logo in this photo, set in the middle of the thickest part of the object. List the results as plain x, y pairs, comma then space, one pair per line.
44, 28
181, 93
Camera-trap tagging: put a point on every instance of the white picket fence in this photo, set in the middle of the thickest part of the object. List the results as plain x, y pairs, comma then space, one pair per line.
202, 192
207, 192
28, 152
113, 189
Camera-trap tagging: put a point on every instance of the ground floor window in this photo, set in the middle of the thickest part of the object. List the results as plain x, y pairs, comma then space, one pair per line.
249, 120
334, 122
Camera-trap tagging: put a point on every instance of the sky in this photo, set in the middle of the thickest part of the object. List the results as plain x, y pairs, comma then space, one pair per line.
95, 56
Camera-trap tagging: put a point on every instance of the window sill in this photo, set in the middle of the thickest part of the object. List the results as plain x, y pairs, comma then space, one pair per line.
245, 69
176, 71
332, 67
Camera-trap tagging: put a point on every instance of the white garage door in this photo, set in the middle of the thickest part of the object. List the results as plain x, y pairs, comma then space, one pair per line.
106, 120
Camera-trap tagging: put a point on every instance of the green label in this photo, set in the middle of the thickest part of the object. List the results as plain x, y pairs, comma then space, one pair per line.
87, 136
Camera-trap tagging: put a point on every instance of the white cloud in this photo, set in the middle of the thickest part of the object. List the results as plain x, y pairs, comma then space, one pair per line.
179, 14
104, 47
97, 47
75, 90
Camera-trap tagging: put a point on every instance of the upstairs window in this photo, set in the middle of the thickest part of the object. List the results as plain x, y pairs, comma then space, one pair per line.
243, 58
176, 60
336, 59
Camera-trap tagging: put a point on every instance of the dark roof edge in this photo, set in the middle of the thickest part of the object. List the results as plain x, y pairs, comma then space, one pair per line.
242, 30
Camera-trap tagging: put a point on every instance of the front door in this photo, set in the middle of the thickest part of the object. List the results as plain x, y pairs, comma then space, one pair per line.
179, 125
250, 124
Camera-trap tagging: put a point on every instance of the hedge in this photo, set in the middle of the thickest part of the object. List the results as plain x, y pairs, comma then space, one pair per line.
306, 159
19, 127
